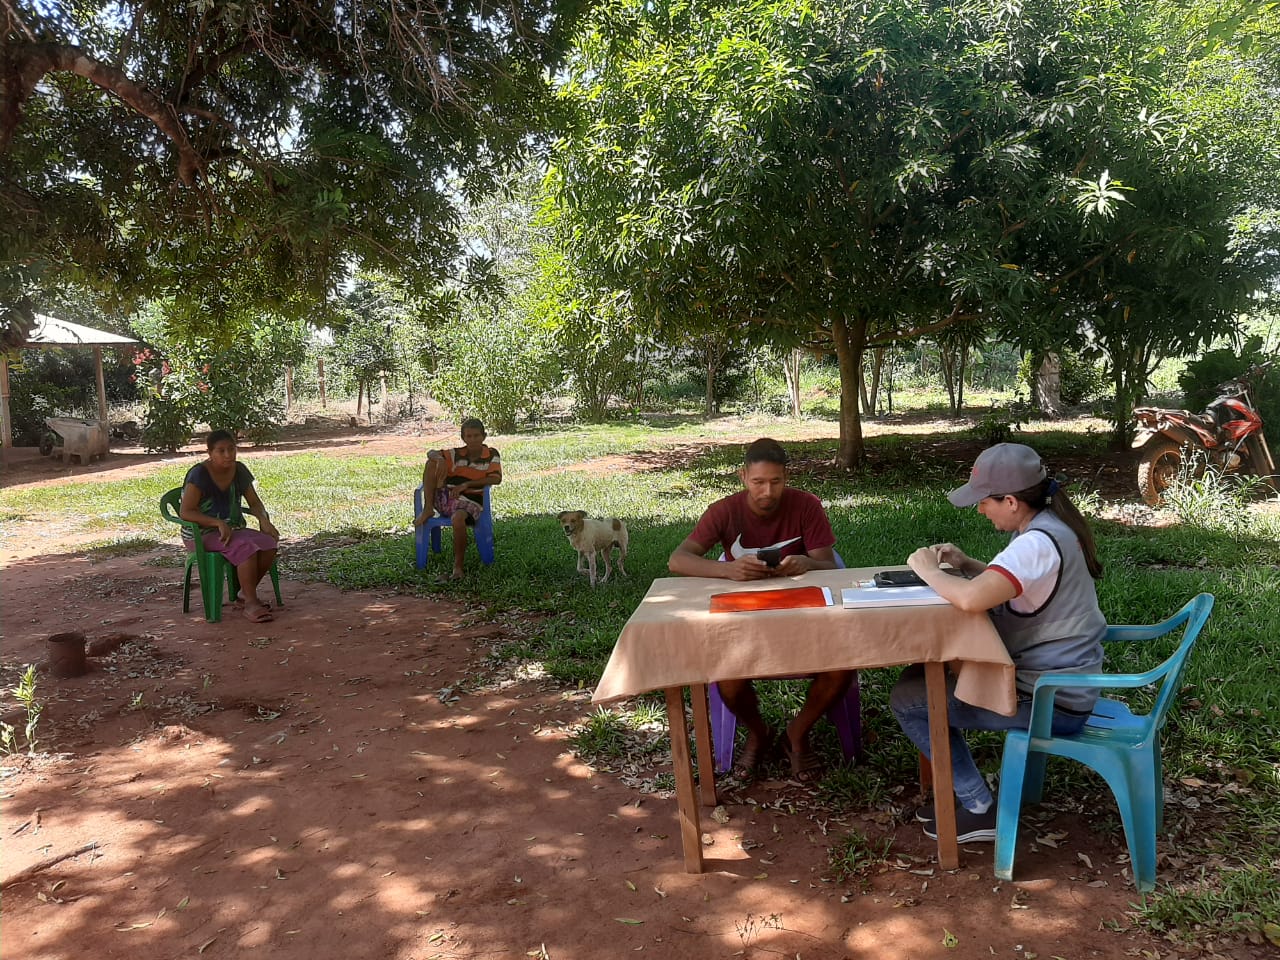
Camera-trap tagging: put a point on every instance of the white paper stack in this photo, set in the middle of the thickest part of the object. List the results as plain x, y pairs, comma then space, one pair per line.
874, 596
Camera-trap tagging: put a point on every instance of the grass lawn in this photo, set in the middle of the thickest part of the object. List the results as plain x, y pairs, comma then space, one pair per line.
347, 519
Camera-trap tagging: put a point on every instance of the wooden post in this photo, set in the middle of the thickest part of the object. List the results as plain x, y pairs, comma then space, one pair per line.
102, 386
288, 389
320, 378
6, 426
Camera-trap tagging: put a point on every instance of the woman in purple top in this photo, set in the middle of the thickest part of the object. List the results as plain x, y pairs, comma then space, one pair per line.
210, 496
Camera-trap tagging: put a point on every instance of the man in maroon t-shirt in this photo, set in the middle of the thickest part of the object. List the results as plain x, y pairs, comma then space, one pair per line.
791, 530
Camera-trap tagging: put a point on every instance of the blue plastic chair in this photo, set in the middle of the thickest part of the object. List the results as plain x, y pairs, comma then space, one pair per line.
1121, 746
483, 531
845, 715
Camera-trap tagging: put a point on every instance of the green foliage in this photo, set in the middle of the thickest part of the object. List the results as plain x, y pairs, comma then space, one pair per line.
1202, 494
1082, 379
855, 857
1200, 379
245, 156
25, 693
499, 369
850, 176
999, 424
233, 385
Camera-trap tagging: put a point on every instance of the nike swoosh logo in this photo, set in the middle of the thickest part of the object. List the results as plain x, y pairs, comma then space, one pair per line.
738, 550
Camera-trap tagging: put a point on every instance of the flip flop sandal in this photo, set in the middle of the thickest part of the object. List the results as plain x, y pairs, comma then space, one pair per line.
747, 765
806, 767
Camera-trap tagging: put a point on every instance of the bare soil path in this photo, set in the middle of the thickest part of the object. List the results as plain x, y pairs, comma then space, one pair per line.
357, 779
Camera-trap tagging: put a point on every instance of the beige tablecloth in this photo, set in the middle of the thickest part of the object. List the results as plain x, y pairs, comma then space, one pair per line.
673, 640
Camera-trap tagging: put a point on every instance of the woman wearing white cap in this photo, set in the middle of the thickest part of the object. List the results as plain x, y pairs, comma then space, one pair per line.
1040, 592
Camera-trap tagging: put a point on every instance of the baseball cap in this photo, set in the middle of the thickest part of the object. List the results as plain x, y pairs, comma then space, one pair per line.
1004, 468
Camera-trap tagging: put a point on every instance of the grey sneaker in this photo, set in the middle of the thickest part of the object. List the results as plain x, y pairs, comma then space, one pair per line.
970, 827
924, 813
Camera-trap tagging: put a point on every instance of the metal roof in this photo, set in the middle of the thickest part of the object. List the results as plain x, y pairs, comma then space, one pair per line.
52, 332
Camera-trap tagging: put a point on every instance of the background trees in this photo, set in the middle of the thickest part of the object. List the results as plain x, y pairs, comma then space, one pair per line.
860, 174
243, 156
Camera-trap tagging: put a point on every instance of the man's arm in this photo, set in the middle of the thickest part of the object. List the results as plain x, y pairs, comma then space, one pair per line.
690, 560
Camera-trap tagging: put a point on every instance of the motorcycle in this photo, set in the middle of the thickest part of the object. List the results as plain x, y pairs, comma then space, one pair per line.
1227, 436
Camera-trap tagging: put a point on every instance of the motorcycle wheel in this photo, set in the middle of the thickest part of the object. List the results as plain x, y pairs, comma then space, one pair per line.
1157, 469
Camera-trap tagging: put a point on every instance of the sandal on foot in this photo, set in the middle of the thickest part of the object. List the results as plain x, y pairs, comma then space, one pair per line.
806, 766
748, 762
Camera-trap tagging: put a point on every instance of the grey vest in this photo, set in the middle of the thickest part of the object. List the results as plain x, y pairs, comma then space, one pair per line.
1065, 634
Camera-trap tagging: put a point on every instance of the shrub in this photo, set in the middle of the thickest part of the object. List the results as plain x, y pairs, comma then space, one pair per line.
1200, 380
1083, 380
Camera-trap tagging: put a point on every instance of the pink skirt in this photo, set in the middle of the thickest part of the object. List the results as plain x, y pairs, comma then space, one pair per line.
244, 544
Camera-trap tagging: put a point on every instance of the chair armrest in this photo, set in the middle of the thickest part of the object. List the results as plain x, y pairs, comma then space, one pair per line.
1042, 704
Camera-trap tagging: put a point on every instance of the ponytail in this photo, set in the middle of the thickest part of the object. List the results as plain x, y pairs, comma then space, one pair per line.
1049, 495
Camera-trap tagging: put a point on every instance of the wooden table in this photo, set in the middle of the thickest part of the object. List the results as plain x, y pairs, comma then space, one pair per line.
672, 641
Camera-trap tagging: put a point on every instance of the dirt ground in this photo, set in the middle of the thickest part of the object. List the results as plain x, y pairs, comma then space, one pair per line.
357, 778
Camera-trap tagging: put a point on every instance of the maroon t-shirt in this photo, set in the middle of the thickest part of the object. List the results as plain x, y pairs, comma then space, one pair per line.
799, 519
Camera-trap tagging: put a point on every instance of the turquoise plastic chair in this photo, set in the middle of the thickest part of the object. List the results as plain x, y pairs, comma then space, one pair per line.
483, 530
1121, 746
212, 566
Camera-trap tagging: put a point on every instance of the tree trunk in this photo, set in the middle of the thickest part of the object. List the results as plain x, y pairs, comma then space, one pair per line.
288, 389
850, 342
791, 370
359, 395
1048, 384
709, 396
320, 380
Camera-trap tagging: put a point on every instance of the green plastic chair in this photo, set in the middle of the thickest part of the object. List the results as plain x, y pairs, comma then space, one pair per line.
1121, 746
213, 566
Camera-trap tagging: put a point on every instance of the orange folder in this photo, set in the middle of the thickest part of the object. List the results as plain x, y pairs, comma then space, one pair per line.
787, 598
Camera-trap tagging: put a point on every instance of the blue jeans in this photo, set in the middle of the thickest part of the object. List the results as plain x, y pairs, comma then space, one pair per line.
910, 704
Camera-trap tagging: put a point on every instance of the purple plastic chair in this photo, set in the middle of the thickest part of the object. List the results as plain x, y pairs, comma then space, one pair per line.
845, 714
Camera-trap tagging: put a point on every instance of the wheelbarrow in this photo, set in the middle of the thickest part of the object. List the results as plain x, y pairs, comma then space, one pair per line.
85, 439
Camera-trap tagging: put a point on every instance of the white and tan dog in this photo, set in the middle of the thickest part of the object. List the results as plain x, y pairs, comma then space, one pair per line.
590, 537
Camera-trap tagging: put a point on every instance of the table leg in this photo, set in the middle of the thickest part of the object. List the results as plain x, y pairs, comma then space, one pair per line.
944, 803
703, 743
682, 767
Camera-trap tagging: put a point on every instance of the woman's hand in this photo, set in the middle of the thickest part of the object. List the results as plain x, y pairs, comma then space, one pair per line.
924, 560
269, 528
225, 530
949, 553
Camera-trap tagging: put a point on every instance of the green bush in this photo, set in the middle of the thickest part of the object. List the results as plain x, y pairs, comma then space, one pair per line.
1083, 380
235, 386
1200, 380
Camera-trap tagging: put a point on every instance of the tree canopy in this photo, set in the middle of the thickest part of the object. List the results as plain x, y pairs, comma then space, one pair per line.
857, 173
247, 155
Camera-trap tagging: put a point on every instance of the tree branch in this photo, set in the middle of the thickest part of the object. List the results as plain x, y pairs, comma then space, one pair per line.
28, 63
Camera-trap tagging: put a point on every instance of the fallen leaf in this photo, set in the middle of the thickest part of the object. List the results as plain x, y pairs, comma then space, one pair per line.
628, 920
1084, 858
1272, 932
205, 946
949, 939
630, 885
182, 904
